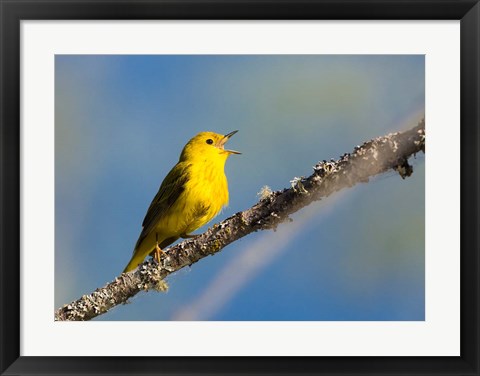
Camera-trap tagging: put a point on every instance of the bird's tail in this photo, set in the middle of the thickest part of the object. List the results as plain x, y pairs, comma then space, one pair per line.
134, 262
146, 246
142, 249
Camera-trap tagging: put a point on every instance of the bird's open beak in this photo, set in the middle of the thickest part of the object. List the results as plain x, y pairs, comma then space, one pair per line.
224, 140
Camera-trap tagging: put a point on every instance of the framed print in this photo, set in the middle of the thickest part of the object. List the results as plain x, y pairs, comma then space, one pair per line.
323, 154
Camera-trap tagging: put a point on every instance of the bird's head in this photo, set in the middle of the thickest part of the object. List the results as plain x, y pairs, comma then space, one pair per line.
208, 146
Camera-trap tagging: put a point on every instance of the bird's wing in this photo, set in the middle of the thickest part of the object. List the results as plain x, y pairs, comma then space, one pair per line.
171, 188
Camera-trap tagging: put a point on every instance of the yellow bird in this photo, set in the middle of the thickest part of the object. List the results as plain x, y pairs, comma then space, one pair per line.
193, 192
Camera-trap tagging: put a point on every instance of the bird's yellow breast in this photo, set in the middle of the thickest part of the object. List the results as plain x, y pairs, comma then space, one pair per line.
204, 195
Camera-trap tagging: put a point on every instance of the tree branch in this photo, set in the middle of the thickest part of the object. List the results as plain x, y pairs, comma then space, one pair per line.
372, 158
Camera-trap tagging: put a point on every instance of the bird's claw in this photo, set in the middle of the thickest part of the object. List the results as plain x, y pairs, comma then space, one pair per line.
158, 253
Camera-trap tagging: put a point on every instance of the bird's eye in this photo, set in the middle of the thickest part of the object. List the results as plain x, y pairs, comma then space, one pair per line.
209, 141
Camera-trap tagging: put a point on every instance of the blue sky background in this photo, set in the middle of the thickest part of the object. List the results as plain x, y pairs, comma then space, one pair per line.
121, 122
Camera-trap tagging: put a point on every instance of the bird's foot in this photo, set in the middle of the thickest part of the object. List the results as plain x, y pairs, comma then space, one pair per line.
187, 236
158, 253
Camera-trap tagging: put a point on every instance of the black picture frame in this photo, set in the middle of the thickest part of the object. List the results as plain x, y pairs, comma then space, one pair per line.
14, 11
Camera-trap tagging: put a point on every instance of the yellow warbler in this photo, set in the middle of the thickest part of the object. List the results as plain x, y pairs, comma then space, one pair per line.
193, 192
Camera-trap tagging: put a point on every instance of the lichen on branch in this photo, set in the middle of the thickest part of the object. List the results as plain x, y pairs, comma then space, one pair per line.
274, 207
